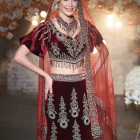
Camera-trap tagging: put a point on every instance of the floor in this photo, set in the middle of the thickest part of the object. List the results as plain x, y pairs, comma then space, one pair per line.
18, 117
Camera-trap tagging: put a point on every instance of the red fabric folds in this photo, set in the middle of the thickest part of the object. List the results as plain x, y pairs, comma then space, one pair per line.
34, 42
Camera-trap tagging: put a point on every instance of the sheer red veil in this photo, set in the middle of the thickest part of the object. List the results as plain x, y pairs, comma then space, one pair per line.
99, 81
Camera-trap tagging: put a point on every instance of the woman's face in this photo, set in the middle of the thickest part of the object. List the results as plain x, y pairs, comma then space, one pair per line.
67, 7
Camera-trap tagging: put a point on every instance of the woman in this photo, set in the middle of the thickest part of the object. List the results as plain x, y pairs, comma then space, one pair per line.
75, 97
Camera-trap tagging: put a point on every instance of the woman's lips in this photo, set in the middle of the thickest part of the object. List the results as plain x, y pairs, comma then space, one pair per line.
69, 9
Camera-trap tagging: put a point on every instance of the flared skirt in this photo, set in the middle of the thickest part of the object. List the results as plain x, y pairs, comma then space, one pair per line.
67, 110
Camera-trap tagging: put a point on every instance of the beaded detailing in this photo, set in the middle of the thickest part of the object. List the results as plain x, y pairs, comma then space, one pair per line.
53, 132
66, 64
96, 130
66, 78
70, 28
74, 105
51, 109
63, 120
55, 48
86, 115
73, 52
76, 131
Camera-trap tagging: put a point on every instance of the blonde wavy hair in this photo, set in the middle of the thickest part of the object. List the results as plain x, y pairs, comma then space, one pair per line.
55, 5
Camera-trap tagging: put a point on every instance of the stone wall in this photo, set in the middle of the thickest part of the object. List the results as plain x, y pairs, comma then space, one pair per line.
14, 78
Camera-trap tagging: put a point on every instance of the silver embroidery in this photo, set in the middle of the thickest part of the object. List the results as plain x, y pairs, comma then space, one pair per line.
63, 115
66, 78
74, 45
55, 48
54, 132
51, 109
74, 105
76, 131
86, 115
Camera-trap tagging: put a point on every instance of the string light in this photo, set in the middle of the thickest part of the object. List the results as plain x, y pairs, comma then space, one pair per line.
104, 41
94, 51
110, 24
42, 20
34, 22
110, 16
118, 24
43, 14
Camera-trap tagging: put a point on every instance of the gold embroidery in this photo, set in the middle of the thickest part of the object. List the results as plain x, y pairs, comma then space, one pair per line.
55, 48
66, 78
63, 115
74, 105
76, 131
51, 109
74, 46
54, 132
86, 115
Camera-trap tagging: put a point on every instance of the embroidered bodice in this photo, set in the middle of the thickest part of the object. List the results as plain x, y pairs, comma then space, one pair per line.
63, 50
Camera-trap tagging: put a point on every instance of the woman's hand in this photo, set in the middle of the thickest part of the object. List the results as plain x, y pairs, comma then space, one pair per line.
82, 72
48, 85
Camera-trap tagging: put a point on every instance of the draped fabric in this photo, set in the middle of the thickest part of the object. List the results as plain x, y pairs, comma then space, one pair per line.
99, 82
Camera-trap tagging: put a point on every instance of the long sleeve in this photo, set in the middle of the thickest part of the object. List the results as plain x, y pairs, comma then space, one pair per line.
37, 40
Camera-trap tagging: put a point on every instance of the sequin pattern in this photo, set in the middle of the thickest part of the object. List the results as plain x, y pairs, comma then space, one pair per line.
63, 120
51, 109
86, 116
76, 131
74, 105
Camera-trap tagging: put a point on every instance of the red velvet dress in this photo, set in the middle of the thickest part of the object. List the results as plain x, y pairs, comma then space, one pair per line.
66, 108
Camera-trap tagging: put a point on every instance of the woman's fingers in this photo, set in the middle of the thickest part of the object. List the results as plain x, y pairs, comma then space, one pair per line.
50, 90
46, 93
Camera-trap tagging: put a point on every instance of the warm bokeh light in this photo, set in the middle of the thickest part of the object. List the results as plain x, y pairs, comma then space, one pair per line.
94, 51
42, 20
118, 24
104, 41
34, 22
110, 24
110, 16
43, 14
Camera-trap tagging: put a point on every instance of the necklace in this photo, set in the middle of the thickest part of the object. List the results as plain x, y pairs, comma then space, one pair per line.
70, 28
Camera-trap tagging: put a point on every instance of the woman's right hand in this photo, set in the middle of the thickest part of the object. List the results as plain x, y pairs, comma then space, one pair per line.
48, 85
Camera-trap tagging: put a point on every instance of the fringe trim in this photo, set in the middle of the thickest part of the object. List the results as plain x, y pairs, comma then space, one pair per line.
67, 65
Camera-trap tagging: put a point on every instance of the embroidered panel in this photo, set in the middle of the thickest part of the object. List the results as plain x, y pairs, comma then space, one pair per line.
76, 135
66, 78
86, 113
53, 132
63, 120
51, 109
64, 48
74, 105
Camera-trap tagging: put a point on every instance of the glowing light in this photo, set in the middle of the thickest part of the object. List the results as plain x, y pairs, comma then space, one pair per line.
104, 41
110, 16
118, 24
43, 14
42, 20
94, 51
110, 24
34, 22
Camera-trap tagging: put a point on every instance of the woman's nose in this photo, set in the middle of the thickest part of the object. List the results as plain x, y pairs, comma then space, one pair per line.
70, 2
